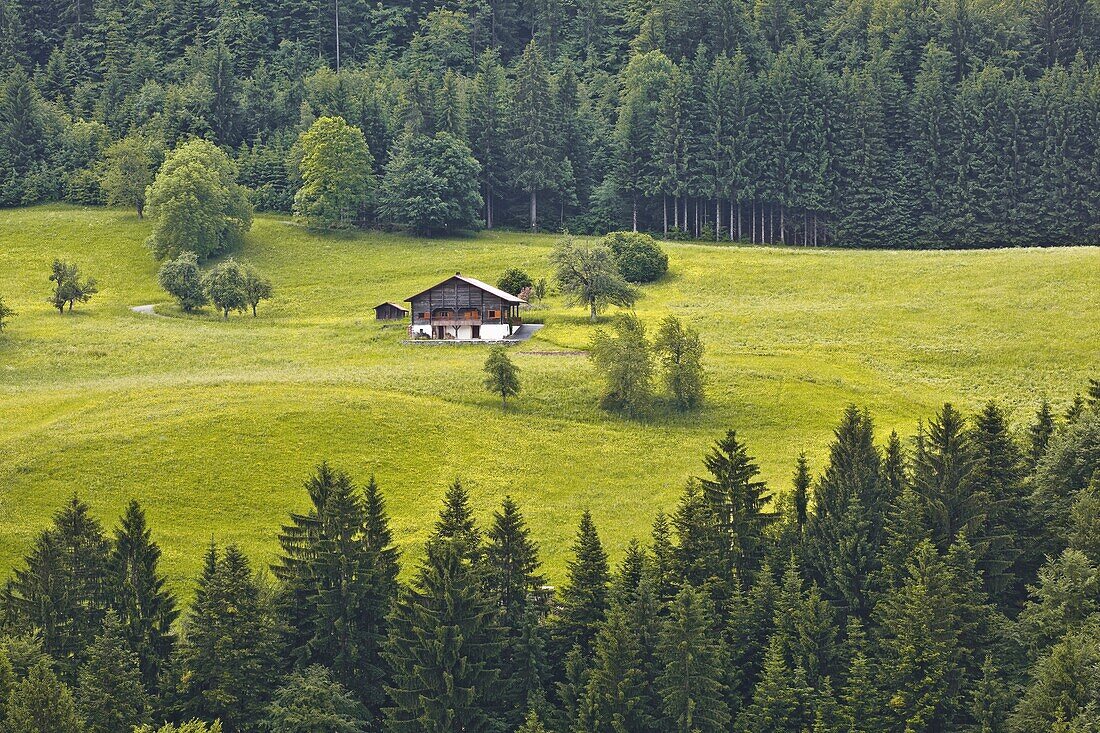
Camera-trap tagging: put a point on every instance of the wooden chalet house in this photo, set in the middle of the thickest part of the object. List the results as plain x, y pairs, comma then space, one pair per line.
464, 309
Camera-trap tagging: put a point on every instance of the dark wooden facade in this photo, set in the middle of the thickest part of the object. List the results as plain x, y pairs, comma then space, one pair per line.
390, 312
462, 301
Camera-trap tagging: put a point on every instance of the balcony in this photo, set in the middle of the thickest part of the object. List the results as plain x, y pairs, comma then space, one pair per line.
452, 321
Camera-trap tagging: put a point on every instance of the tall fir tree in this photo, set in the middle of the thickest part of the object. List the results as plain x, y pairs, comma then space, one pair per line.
145, 606
110, 693
443, 647
584, 599
740, 503
227, 658
692, 660
337, 585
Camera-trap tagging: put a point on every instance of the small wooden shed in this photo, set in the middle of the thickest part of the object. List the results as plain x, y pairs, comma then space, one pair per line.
390, 312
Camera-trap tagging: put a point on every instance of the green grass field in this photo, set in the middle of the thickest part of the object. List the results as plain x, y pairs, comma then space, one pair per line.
214, 426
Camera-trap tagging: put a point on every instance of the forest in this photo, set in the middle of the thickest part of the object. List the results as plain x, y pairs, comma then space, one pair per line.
866, 123
945, 582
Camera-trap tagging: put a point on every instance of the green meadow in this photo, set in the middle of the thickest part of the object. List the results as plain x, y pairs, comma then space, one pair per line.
214, 425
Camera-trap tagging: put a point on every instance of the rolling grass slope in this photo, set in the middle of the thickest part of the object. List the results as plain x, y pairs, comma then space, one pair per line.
214, 426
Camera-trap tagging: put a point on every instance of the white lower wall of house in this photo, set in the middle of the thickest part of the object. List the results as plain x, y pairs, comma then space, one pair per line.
489, 331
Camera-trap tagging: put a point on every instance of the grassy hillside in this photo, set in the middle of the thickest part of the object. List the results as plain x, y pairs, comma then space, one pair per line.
214, 426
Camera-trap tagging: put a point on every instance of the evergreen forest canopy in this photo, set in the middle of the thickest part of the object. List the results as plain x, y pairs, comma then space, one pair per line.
933, 123
946, 583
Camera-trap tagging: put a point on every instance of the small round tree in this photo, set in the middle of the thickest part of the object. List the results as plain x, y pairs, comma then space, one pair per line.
431, 185
514, 280
501, 375
639, 257
224, 286
256, 288
182, 279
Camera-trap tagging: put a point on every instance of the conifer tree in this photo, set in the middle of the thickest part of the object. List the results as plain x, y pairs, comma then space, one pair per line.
750, 621
616, 696
338, 583
693, 661
229, 650
442, 647
1062, 694
488, 128
628, 575
860, 709
110, 692
782, 701
584, 599
456, 522
844, 532
311, 700
1040, 432
801, 494
806, 627
62, 590
739, 502
920, 646
512, 562
942, 472
41, 703
534, 149
998, 470
146, 608
699, 550
661, 567
895, 468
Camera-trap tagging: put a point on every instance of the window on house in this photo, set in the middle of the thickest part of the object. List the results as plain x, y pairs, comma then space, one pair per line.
494, 314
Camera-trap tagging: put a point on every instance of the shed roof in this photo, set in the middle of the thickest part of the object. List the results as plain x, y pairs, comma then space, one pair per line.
506, 297
395, 305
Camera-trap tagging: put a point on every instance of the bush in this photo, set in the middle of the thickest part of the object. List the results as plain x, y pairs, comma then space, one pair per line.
514, 280
639, 257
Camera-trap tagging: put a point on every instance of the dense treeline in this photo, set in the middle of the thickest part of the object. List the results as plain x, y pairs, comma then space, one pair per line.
854, 122
947, 583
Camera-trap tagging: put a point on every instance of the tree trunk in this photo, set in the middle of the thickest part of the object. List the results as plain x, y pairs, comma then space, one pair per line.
141, 209
717, 219
664, 212
782, 224
731, 219
739, 220
676, 213
592, 311
534, 212
634, 212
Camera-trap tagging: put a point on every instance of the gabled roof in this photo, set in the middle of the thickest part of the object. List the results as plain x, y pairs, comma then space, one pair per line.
395, 305
506, 297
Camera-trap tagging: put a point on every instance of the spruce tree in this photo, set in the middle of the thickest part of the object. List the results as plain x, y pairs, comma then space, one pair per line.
739, 502
806, 628
456, 522
920, 646
534, 157
617, 695
699, 550
750, 621
230, 649
311, 700
692, 659
801, 494
512, 561
998, 470
41, 703
584, 599
443, 647
338, 583
844, 532
1040, 432
662, 559
860, 709
62, 590
146, 608
942, 476
782, 701
110, 693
